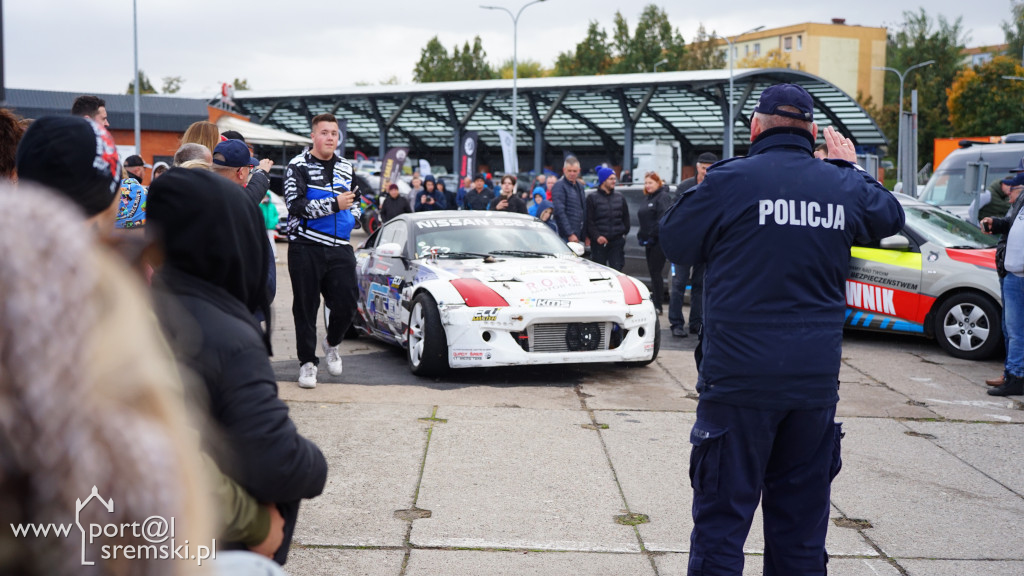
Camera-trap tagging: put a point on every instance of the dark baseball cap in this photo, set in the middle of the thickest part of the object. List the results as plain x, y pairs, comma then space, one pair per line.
1015, 180
73, 155
135, 161
773, 98
234, 153
707, 158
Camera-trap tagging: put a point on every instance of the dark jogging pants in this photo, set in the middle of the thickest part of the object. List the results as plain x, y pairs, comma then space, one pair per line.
329, 271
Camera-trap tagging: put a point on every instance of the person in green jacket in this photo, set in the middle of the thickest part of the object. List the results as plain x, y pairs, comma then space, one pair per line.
270, 219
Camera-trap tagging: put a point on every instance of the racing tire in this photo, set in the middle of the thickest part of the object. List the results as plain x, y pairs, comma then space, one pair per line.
657, 347
427, 347
370, 221
969, 325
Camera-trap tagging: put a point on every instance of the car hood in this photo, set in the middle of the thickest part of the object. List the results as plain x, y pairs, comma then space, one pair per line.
525, 280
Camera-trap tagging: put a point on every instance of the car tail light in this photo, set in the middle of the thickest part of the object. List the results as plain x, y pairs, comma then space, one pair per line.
476, 293
630, 291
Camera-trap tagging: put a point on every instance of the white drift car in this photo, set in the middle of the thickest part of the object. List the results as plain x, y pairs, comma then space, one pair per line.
475, 289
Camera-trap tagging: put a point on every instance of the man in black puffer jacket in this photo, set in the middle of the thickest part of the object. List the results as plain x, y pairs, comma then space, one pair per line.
607, 222
211, 281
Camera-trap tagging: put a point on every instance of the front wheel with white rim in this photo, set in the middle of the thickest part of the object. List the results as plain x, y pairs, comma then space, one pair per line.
969, 326
428, 345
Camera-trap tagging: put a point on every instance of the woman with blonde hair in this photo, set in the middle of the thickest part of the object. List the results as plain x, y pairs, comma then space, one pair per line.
202, 132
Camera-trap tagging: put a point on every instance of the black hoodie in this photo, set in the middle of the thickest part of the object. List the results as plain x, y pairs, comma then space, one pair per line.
212, 279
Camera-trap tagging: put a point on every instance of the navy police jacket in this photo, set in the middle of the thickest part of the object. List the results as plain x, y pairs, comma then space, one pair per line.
774, 229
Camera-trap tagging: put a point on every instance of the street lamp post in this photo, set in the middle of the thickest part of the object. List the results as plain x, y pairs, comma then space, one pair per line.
727, 139
899, 132
515, 67
659, 63
135, 36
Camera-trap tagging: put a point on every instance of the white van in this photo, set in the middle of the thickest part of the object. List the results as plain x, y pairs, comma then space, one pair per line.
948, 187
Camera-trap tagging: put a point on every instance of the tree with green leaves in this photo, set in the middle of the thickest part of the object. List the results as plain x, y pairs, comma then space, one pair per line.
653, 40
591, 56
467, 63
1014, 31
524, 69
145, 86
435, 65
471, 63
983, 103
172, 84
241, 84
704, 52
919, 39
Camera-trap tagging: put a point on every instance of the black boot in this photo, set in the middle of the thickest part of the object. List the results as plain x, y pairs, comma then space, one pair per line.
1014, 386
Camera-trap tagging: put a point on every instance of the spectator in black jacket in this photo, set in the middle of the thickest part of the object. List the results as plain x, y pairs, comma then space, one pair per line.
683, 275
393, 204
210, 283
658, 202
607, 222
479, 198
508, 200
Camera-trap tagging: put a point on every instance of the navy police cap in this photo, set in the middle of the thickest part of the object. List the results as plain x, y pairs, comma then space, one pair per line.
775, 97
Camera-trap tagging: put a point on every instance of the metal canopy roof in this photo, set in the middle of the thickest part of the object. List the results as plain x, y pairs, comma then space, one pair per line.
582, 114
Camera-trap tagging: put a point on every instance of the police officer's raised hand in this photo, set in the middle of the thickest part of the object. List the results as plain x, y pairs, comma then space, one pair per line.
839, 146
266, 164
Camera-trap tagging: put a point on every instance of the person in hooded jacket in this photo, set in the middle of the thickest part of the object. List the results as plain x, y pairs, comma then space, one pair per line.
429, 198
546, 214
658, 202
210, 282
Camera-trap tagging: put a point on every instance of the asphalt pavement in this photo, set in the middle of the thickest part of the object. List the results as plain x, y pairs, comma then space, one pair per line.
583, 469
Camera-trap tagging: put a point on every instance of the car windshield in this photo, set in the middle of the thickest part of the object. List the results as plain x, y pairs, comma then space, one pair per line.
476, 237
946, 230
946, 187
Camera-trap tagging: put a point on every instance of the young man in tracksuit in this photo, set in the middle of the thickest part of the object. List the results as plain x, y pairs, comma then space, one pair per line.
776, 255
318, 193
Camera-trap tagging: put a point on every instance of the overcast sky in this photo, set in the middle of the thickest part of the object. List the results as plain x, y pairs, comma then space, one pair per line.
80, 46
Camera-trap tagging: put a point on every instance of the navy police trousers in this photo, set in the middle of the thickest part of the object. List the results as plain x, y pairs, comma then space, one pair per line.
786, 459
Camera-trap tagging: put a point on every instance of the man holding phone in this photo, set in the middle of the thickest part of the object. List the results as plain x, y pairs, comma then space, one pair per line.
1009, 259
321, 261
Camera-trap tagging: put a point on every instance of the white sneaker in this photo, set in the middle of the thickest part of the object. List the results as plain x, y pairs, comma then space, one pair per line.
333, 358
307, 375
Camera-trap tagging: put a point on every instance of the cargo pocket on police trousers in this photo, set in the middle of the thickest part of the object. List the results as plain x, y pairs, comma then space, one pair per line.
705, 457
837, 453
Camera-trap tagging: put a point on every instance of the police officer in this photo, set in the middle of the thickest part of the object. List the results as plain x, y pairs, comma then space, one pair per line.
776, 257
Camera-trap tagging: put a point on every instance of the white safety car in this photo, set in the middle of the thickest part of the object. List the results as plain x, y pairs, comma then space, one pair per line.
475, 289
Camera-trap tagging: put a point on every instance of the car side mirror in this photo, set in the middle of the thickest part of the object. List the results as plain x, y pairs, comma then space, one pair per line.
895, 242
576, 248
389, 250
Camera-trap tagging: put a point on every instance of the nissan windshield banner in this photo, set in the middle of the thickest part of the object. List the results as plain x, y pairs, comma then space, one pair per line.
391, 167
470, 143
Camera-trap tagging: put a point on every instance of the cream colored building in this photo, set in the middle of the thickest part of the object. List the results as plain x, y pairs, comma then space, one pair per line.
845, 55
